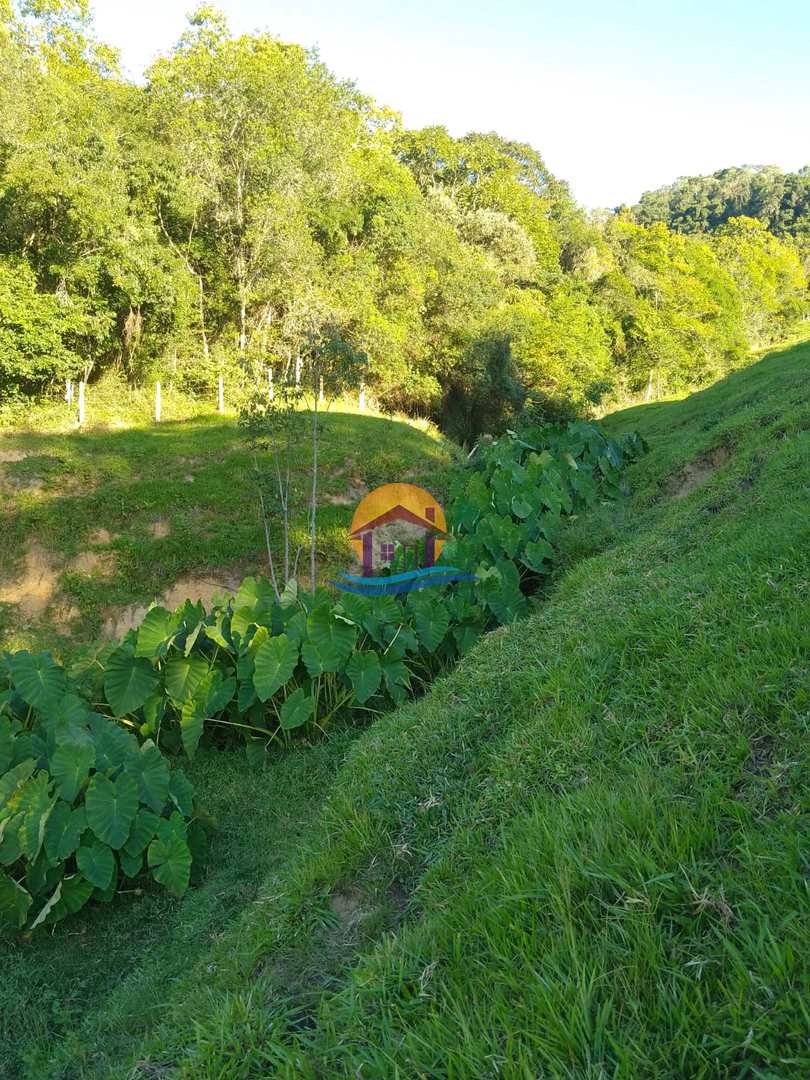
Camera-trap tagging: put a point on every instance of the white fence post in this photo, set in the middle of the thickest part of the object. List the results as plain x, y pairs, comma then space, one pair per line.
157, 402
298, 371
69, 391
270, 391
220, 396
362, 397
81, 403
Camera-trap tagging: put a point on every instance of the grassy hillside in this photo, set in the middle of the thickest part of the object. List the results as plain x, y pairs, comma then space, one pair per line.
98, 523
585, 853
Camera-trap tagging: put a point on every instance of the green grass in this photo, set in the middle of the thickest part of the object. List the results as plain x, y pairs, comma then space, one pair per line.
189, 480
585, 853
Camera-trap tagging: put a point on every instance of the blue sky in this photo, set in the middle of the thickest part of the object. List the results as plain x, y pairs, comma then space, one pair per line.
619, 97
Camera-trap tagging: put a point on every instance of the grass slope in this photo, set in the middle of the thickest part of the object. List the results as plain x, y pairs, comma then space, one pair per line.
585, 853
97, 520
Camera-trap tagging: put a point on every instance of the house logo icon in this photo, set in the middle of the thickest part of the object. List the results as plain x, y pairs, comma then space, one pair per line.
397, 519
397, 533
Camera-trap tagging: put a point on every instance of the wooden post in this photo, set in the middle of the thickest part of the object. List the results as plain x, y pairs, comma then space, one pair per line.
220, 396
69, 391
298, 371
270, 391
321, 398
81, 403
157, 402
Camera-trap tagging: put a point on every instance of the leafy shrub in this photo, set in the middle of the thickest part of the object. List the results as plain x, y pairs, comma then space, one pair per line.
82, 803
508, 511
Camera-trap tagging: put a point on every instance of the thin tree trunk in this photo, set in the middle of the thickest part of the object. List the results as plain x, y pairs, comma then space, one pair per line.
313, 507
201, 304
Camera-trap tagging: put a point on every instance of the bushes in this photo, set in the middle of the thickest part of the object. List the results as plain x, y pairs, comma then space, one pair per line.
82, 803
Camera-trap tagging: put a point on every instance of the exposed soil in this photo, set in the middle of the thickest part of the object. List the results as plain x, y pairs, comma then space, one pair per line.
36, 586
697, 472
221, 581
355, 491
160, 528
347, 904
101, 536
13, 455
88, 561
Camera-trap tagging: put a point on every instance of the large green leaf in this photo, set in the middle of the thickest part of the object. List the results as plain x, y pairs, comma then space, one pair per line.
150, 770
10, 781
48, 907
296, 710
131, 865
14, 904
181, 792
365, 674
38, 680
70, 765
537, 554
10, 839
183, 675
431, 619
144, 829
63, 831
111, 806
6, 744
332, 639
155, 633
128, 681
274, 662
397, 677
113, 743
192, 721
170, 862
76, 891
97, 862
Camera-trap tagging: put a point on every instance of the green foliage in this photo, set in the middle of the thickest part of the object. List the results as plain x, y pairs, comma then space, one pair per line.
266, 664
245, 208
80, 798
779, 200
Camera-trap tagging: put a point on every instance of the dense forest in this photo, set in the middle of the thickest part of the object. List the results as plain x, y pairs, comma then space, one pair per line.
243, 199
700, 204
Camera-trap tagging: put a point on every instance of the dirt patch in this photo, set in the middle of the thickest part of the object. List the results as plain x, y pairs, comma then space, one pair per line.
13, 455
355, 491
203, 587
160, 528
36, 586
101, 536
89, 561
694, 475
347, 904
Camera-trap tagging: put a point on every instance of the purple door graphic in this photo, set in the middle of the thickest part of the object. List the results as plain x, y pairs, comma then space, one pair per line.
368, 555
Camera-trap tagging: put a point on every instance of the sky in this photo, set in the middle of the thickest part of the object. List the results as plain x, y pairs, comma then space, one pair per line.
619, 96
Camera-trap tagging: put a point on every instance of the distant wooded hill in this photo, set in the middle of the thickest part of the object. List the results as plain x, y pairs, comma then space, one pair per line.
699, 204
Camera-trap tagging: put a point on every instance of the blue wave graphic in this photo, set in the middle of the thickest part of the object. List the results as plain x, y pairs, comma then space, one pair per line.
401, 583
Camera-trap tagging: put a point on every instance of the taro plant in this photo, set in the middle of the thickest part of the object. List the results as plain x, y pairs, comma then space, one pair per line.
84, 806
508, 509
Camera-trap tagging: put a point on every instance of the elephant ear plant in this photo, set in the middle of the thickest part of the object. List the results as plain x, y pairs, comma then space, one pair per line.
84, 806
